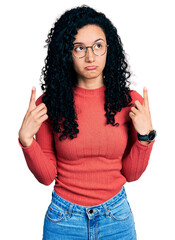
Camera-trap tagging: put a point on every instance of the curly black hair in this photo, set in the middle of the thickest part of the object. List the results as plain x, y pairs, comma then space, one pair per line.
60, 76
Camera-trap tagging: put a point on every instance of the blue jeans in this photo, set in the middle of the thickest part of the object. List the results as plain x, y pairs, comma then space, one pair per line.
110, 220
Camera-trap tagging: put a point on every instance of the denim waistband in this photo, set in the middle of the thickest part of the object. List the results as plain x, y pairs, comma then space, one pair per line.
98, 209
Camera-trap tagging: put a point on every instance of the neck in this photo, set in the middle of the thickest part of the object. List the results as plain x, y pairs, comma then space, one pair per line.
90, 83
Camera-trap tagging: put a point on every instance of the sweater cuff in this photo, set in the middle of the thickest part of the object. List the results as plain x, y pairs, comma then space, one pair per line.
144, 146
29, 147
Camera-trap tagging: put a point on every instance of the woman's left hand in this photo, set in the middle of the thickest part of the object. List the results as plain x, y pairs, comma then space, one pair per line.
140, 115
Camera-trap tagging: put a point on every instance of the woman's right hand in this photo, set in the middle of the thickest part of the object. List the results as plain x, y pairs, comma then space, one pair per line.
32, 121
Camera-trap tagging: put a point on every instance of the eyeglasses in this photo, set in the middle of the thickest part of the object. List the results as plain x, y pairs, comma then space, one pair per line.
98, 48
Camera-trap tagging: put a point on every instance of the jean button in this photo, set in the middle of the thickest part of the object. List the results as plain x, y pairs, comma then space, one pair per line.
91, 211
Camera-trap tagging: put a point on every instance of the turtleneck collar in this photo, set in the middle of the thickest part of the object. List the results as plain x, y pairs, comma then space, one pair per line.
89, 92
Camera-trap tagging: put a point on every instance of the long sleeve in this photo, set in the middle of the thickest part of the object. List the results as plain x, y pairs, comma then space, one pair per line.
40, 155
93, 167
136, 155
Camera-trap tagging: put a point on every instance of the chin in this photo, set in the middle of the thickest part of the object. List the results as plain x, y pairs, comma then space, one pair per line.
91, 73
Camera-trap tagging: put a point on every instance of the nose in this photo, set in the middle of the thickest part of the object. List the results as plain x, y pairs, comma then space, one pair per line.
90, 56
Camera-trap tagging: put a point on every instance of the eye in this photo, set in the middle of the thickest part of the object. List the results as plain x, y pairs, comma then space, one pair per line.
79, 48
98, 46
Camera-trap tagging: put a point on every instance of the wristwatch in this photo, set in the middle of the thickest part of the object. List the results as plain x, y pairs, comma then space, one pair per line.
148, 137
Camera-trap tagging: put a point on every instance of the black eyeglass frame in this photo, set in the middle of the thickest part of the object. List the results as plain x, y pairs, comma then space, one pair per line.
106, 45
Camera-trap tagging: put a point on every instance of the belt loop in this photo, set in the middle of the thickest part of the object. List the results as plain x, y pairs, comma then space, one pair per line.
70, 208
105, 209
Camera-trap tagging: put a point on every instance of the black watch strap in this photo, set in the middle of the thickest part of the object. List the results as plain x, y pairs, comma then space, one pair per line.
142, 137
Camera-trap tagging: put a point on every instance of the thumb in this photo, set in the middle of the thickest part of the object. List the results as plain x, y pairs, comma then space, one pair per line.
32, 104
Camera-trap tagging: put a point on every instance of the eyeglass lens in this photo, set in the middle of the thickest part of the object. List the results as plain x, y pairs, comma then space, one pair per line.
99, 48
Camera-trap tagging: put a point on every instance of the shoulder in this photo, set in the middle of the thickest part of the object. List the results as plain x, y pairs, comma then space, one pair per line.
136, 96
39, 99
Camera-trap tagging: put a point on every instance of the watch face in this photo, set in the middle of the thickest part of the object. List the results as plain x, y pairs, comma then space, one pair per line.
152, 135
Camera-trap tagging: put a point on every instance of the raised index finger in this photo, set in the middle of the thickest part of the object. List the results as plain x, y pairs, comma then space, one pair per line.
145, 98
32, 104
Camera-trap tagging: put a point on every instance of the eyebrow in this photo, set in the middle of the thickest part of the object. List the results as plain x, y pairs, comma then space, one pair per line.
94, 41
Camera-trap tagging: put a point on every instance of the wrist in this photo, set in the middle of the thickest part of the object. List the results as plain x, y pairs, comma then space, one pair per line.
25, 142
144, 142
149, 137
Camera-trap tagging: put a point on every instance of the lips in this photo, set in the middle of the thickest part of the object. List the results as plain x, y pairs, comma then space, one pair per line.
90, 67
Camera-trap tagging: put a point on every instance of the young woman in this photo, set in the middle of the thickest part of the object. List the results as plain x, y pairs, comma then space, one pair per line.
93, 134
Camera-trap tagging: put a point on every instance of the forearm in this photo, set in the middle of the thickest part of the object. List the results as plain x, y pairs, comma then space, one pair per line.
135, 163
41, 164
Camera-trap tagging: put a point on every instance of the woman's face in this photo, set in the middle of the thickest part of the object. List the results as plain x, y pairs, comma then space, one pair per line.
88, 35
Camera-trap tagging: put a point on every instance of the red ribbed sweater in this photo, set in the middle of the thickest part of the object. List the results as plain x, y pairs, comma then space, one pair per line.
93, 167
